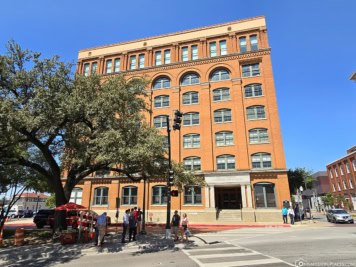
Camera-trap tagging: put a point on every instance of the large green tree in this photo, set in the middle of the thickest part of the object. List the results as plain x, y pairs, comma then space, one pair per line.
73, 126
300, 177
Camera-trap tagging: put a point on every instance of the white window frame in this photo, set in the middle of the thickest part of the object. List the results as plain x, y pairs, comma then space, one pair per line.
256, 114
261, 160
86, 69
101, 200
226, 159
194, 52
243, 47
254, 88
76, 195
190, 94
191, 140
354, 164
338, 185
351, 183
251, 71
212, 49
344, 183
220, 73
108, 66
193, 163
185, 53
189, 75
162, 100
94, 67
223, 50
347, 167
336, 173
261, 136
221, 92
158, 58
167, 56
254, 43
141, 61
341, 169
130, 196
191, 189
191, 118
133, 62
223, 115
162, 121
226, 140
331, 173
334, 189
163, 198
117, 62
162, 83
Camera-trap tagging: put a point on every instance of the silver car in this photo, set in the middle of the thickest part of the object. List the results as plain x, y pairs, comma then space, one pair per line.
339, 215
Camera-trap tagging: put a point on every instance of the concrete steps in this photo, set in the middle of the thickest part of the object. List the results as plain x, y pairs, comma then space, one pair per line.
229, 216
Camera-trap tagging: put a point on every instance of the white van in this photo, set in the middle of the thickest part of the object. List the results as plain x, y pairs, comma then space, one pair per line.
16, 211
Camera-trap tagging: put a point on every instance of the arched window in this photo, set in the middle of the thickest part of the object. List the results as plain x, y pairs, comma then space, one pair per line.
159, 195
258, 135
76, 196
265, 195
160, 121
192, 163
190, 98
161, 83
192, 195
129, 195
222, 115
101, 196
253, 90
224, 138
161, 101
189, 79
191, 118
225, 162
261, 161
191, 141
221, 94
220, 75
256, 112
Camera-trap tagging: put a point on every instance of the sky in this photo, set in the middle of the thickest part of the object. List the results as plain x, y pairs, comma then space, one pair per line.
313, 53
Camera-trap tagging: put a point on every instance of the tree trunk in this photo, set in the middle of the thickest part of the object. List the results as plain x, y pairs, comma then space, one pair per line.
60, 216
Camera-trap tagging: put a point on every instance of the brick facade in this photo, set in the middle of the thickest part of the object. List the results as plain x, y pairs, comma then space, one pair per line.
243, 179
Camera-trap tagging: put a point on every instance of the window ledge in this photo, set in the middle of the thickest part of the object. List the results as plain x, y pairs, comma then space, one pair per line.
191, 147
128, 205
192, 205
269, 168
159, 205
191, 125
260, 143
252, 76
257, 119
100, 205
181, 85
223, 122
160, 107
219, 81
248, 97
224, 145
190, 104
153, 89
218, 101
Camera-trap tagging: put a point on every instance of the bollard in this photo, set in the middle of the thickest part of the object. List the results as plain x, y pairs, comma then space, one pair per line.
19, 236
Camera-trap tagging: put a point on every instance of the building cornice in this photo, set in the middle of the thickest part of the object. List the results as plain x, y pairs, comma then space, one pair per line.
344, 157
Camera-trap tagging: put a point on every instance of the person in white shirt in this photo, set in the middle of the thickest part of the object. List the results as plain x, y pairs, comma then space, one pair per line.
125, 223
291, 214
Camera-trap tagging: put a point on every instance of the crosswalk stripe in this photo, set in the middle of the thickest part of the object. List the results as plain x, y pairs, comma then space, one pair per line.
241, 263
224, 255
207, 249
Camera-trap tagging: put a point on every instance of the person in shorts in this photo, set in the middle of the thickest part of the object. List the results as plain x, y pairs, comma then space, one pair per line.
185, 223
175, 225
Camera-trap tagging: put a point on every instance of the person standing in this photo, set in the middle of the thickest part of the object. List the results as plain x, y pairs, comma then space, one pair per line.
125, 223
132, 225
102, 228
175, 224
185, 223
284, 214
139, 220
291, 215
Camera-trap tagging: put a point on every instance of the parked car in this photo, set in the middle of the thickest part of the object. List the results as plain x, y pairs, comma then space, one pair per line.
73, 218
15, 211
28, 214
42, 216
339, 215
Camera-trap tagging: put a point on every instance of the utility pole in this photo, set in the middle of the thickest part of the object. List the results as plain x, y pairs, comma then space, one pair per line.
176, 126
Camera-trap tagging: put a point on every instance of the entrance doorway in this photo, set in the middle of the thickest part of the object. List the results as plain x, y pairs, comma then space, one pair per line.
228, 198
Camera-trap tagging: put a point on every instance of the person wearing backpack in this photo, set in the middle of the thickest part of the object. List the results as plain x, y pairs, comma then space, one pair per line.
132, 226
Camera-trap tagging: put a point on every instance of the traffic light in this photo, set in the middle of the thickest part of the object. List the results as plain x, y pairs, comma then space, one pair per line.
174, 193
177, 120
171, 178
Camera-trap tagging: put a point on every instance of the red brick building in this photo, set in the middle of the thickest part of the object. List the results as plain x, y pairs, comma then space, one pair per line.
221, 77
342, 176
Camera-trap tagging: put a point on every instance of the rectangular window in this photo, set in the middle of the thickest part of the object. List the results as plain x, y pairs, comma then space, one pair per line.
331, 173
334, 188
108, 66
158, 58
344, 183
341, 169
86, 69
132, 62
243, 44
192, 195
347, 167
185, 53
117, 65
354, 165
212, 50
191, 141
223, 48
167, 56
351, 184
336, 173
94, 66
338, 185
251, 70
194, 52
141, 61
253, 42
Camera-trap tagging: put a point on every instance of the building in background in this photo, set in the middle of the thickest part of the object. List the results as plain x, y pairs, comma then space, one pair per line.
221, 78
32, 201
342, 176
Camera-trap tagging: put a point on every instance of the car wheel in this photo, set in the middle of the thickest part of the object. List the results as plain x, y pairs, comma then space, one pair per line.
327, 218
335, 220
39, 225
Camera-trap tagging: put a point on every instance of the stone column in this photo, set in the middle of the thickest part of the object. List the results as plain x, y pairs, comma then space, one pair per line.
243, 195
207, 196
249, 196
212, 197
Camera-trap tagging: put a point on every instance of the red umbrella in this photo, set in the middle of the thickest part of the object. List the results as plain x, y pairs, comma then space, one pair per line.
71, 206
